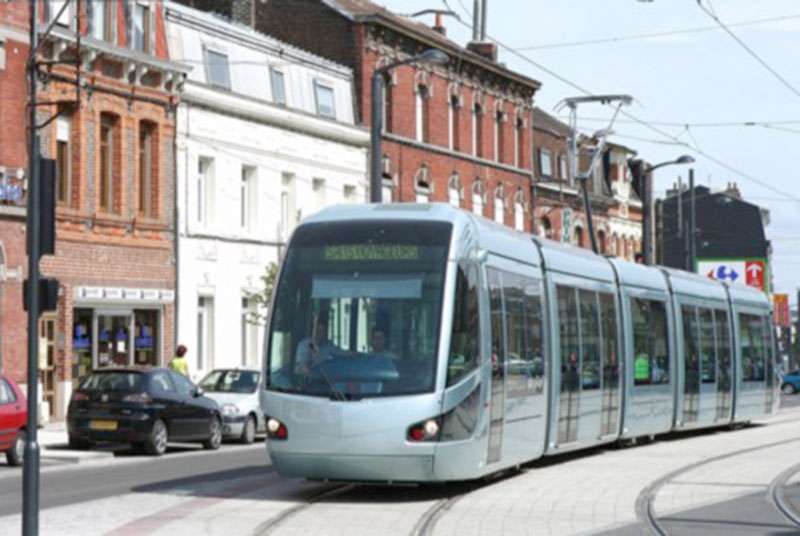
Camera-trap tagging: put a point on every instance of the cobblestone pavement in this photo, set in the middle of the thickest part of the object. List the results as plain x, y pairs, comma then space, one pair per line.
583, 493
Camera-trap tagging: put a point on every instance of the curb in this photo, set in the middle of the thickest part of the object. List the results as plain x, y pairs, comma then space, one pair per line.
55, 453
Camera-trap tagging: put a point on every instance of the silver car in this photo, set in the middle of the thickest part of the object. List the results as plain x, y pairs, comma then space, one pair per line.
236, 392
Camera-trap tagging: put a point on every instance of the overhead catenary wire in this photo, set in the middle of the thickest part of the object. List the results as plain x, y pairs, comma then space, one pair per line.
749, 50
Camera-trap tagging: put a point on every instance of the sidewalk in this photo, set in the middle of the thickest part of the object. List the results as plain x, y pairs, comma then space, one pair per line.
54, 443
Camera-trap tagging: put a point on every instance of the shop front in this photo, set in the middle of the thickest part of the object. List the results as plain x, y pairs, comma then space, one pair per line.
118, 327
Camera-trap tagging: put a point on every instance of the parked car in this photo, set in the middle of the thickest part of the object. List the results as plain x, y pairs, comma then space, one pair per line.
236, 392
791, 382
144, 406
13, 416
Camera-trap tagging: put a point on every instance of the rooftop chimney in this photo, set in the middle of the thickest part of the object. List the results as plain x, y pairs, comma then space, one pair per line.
479, 45
438, 26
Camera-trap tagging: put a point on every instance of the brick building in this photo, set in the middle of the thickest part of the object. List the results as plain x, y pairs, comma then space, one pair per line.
457, 133
560, 213
115, 254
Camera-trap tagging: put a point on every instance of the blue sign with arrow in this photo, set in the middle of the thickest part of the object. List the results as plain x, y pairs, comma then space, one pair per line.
723, 273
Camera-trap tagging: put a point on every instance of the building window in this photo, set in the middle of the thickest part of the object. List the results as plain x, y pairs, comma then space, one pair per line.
421, 113
205, 332
205, 190
325, 100
519, 148
278, 84
423, 192
249, 356
141, 27
519, 216
63, 162
454, 191
477, 130
288, 205
109, 189
53, 9
499, 208
562, 166
545, 164
103, 20
499, 150
2, 55
601, 241
546, 228
579, 236
453, 124
217, 71
318, 186
248, 197
147, 166
146, 337
386, 89
477, 199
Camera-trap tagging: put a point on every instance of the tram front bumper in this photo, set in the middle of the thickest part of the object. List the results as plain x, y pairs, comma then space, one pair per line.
379, 468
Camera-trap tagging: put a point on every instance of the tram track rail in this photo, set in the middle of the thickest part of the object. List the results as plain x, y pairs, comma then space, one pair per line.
777, 494
269, 526
645, 510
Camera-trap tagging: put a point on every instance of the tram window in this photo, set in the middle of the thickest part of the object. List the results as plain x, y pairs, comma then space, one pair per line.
650, 343
752, 342
496, 317
568, 331
723, 347
464, 340
610, 353
590, 340
769, 356
691, 366
708, 357
524, 358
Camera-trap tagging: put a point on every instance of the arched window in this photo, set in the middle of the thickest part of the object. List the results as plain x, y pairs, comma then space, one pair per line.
546, 228
499, 117
578, 236
613, 245
452, 124
519, 211
477, 197
387, 104
421, 113
477, 130
601, 241
499, 204
454, 190
422, 185
519, 148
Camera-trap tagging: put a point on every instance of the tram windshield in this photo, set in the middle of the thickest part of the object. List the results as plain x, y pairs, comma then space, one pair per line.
357, 310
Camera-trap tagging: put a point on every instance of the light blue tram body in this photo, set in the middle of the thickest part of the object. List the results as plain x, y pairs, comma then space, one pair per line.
535, 348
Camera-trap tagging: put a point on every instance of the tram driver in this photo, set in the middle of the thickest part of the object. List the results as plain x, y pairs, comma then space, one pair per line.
378, 344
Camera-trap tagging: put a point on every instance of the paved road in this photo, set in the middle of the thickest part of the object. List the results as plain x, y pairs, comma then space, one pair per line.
181, 467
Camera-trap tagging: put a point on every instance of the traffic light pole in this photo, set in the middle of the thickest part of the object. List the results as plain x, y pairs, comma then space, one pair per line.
30, 475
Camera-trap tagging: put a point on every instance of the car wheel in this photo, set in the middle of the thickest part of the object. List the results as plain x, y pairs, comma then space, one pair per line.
789, 389
214, 434
249, 431
76, 443
16, 454
156, 444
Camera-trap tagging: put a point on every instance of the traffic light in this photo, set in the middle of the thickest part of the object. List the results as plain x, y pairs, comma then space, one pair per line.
47, 207
48, 294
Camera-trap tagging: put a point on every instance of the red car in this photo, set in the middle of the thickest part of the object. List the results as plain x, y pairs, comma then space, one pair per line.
13, 416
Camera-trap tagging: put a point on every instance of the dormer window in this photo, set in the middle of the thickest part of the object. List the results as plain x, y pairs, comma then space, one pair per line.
325, 100
103, 20
217, 70
141, 27
278, 84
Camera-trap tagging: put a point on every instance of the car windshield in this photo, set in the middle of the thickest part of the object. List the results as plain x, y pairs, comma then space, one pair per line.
357, 309
231, 381
113, 381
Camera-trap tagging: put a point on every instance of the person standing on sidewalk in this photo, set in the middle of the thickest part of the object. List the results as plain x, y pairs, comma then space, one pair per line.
178, 363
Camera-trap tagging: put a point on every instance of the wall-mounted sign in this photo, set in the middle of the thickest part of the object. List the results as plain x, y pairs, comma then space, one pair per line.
124, 295
781, 315
751, 271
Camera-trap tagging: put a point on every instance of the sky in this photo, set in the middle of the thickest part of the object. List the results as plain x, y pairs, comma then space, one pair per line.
686, 78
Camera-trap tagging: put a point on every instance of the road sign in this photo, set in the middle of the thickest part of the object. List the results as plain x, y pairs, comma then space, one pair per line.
781, 315
752, 272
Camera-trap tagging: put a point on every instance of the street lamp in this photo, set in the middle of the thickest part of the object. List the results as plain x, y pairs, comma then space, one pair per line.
642, 177
430, 56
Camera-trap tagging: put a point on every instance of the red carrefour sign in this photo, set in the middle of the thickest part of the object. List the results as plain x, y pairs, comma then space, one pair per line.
754, 273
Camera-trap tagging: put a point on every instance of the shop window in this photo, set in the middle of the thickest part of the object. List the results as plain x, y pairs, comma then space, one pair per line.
146, 340
113, 340
81, 342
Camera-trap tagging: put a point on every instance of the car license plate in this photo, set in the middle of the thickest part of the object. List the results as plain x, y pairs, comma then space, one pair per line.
103, 425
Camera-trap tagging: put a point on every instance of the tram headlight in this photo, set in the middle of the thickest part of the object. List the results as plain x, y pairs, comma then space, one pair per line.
276, 429
427, 430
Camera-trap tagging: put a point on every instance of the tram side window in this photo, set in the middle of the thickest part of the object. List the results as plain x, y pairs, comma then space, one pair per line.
524, 358
568, 331
723, 346
590, 340
650, 344
691, 366
708, 356
464, 342
769, 355
496, 318
609, 323
752, 338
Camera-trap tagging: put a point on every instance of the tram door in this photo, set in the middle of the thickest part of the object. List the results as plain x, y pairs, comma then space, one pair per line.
498, 364
725, 362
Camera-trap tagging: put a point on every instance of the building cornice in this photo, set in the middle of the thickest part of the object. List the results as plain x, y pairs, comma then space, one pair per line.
257, 110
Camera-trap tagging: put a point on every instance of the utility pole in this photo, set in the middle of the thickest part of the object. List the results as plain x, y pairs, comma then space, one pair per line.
692, 222
30, 470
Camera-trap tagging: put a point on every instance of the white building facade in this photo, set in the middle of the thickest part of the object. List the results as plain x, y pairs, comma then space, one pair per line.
265, 136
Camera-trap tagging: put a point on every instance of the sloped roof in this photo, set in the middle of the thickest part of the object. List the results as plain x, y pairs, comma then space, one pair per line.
367, 11
546, 122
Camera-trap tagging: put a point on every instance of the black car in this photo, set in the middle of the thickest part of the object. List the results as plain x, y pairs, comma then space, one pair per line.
146, 407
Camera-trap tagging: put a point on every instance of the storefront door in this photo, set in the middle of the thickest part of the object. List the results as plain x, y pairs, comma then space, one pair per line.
114, 338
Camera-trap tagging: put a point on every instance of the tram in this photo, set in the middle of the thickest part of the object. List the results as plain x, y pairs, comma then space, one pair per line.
418, 342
